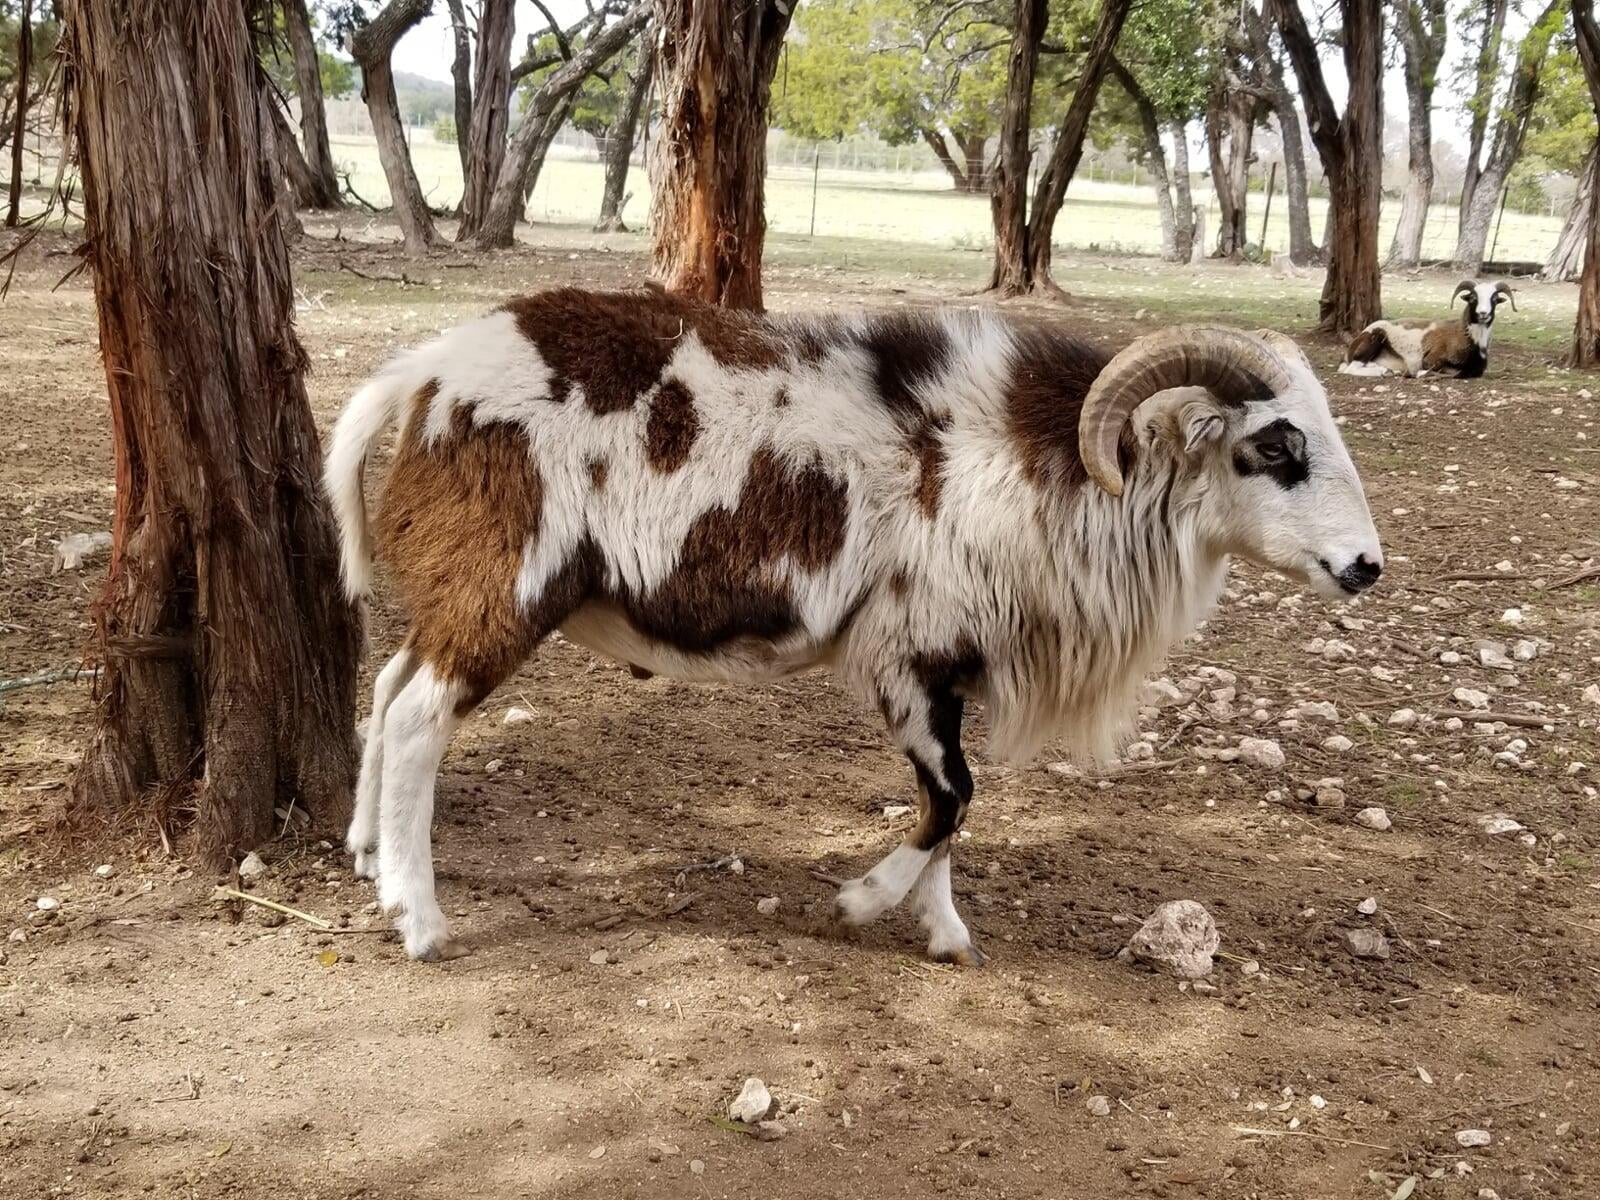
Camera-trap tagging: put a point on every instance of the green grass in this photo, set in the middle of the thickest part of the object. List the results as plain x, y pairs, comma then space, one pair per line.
1114, 218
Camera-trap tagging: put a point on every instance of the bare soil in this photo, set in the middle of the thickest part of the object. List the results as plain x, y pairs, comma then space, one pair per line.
155, 1041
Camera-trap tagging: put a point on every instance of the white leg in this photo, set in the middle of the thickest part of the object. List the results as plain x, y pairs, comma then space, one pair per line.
880, 889
362, 838
935, 908
417, 727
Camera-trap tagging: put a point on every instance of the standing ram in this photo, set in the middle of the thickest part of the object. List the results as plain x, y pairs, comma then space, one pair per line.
1416, 348
941, 507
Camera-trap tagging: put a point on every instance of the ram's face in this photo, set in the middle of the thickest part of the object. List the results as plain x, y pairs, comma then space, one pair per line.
1275, 482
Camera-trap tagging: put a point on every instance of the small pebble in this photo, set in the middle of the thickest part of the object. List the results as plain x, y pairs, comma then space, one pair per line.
1374, 818
1098, 1106
767, 905
1473, 1137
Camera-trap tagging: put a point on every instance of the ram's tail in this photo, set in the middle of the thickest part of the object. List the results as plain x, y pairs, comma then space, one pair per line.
370, 411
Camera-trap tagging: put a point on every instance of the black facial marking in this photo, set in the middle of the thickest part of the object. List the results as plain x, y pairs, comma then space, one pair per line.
1277, 450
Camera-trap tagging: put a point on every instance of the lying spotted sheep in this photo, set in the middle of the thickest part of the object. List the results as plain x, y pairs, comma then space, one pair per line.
939, 506
1416, 348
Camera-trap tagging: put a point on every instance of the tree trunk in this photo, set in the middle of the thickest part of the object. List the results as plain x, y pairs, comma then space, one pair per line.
1477, 210
313, 115
1566, 260
1586, 329
707, 171
292, 165
371, 46
1481, 106
935, 141
1068, 149
1008, 182
1303, 249
1155, 157
542, 149
1230, 121
227, 653
461, 77
1183, 207
491, 113
972, 146
542, 117
24, 63
1420, 25
1351, 149
619, 149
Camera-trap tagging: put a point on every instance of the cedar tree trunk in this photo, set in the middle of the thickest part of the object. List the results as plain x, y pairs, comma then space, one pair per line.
619, 148
1351, 148
1155, 157
491, 113
1184, 198
715, 62
1420, 25
24, 62
371, 46
1485, 71
1586, 330
227, 652
542, 117
1008, 182
1477, 212
1231, 120
313, 115
461, 76
1566, 260
935, 142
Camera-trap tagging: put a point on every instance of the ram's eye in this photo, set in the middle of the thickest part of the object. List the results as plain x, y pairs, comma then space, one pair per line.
1272, 452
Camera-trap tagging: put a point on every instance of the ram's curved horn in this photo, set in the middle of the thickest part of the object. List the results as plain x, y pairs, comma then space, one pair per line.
1234, 366
1505, 289
1465, 288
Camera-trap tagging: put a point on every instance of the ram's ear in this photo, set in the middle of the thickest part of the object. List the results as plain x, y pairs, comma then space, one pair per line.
1202, 424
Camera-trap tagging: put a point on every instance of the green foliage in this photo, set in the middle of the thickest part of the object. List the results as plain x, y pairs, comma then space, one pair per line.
444, 128
855, 66
1173, 50
272, 48
1562, 128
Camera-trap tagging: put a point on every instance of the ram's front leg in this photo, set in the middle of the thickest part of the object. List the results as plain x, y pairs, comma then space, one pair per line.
928, 729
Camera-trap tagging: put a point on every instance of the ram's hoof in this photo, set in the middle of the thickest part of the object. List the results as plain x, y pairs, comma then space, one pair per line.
962, 956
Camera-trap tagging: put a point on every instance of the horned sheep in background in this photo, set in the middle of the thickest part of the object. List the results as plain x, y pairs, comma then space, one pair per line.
1416, 348
941, 507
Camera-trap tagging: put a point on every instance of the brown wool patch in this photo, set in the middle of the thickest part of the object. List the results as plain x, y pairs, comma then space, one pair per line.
613, 346
454, 520
673, 425
927, 448
906, 350
1444, 347
723, 586
780, 398
1050, 375
1368, 344
598, 470
900, 584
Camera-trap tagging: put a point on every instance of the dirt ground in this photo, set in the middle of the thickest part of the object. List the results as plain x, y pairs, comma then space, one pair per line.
156, 1042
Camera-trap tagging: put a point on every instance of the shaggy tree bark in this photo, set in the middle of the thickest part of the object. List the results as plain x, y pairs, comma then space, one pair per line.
1008, 182
1231, 122
491, 113
371, 47
1586, 330
707, 224
313, 114
1184, 198
968, 173
1351, 148
1477, 212
226, 651
301, 189
1566, 260
1485, 72
461, 77
1155, 158
1058, 171
542, 117
1421, 26
24, 63
1265, 78
619, 148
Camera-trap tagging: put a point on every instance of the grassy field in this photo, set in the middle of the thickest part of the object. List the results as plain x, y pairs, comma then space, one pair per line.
917, 208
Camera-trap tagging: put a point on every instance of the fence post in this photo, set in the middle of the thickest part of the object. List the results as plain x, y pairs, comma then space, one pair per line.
1495, 245
1272, 182
816, 166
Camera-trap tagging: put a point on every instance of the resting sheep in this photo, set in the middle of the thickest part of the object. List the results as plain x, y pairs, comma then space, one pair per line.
1415, 348
941, 507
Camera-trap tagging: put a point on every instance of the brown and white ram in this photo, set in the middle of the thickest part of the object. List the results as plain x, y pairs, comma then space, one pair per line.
941, 507
1417, 348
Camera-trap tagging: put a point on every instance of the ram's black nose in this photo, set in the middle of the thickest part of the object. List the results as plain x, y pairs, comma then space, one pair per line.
1360, 575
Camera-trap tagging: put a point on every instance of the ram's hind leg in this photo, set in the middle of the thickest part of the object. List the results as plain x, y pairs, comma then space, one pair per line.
362, 838
929, 730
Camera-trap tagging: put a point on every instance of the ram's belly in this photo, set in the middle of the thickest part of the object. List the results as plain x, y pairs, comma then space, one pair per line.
760, 651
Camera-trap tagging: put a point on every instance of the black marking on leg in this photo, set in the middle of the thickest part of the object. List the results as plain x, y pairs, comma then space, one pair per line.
946, 786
